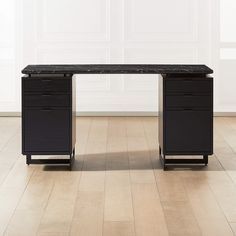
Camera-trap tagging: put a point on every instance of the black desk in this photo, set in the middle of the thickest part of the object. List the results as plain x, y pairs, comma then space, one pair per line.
185, 110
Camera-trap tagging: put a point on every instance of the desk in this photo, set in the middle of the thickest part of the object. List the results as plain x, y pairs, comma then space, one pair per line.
185, 110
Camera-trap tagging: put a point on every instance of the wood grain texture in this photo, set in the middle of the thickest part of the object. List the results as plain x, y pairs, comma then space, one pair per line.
180, 218
117, 228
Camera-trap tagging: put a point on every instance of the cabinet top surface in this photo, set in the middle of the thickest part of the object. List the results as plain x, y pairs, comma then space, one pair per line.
117, 69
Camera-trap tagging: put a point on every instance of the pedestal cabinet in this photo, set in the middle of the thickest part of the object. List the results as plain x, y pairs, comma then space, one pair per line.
48, 118
186, 118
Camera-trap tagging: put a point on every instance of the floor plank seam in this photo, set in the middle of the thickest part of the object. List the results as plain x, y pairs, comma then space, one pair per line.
158, 190
105, 179
45, 207
10, 138
21, 195
220, 207
90, 124
132, 197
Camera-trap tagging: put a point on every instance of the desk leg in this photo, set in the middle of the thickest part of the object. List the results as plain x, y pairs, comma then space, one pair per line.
72, 159
162, 159
205, 158
28, 159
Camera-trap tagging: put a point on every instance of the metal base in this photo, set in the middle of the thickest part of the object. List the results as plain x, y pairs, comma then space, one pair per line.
165, 162
69, 161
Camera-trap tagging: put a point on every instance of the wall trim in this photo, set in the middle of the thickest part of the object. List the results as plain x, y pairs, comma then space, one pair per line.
116, 113
219, 114
9, 114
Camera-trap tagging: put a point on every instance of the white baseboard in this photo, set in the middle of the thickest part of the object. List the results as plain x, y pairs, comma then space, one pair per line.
115, 113
9, 114
221, 114
93, 113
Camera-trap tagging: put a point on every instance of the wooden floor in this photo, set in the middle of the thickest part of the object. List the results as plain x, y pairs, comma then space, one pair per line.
117, 186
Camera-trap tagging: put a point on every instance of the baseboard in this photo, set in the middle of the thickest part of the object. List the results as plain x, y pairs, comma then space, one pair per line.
9, 114
93, 113
221, 114
116, 113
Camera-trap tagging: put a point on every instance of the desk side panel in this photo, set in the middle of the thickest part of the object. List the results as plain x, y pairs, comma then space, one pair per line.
161, 112
73, 111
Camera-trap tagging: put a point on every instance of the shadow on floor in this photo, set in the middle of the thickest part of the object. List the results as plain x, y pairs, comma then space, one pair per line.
136, 160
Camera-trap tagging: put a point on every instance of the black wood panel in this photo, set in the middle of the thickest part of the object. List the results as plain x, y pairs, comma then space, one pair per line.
188, 85
46, 84
47, 100
47, 130
73, 113
161, 127
188, 131
188, 101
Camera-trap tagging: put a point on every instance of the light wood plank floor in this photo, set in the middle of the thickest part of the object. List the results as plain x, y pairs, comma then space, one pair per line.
117, 186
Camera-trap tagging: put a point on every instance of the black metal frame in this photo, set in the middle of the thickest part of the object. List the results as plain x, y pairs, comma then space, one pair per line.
69, 161
177, 161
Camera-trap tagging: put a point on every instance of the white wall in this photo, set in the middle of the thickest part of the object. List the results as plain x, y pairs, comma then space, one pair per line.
224, 55
9, 78
111, 31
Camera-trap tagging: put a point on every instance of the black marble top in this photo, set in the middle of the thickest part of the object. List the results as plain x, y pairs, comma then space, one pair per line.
117, 69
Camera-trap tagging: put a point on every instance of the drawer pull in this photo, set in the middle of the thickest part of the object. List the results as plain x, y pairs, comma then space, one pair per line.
46, 110
46, 80
188, 94
188, 109
46, 95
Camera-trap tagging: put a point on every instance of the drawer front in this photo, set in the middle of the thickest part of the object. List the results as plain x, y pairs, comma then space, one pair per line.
46, 130
184, 86
46, 99
46, 84
188, 101
189, 131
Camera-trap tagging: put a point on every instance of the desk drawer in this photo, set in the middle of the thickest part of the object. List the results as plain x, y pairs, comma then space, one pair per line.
46, 84
46, 99
186, 85
188, 101
189, 131
46, 130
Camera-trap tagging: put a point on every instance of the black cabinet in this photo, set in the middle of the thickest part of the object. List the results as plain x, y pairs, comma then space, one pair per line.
186, 118
48, 118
